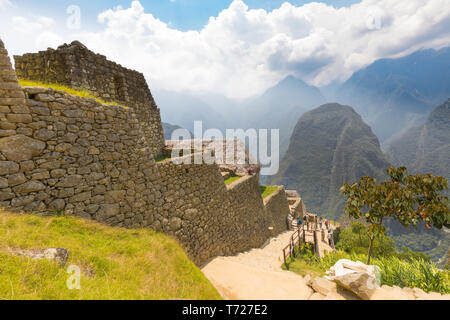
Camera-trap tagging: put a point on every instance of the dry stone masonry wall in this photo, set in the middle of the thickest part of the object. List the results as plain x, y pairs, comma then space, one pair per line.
63, 153
274, 204
75, 66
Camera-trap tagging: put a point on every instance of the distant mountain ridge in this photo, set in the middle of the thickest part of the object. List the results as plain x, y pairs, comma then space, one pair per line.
426, 148
281, 106
330, 145
395, 94
169, 129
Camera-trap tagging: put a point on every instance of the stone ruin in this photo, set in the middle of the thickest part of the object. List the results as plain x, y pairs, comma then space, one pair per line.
64, 153
75, 66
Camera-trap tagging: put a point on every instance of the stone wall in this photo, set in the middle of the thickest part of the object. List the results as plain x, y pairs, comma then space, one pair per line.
63, 153
296, 204
75, 66
277, 208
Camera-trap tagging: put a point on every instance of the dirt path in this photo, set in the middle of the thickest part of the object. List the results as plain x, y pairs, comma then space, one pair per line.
257, 274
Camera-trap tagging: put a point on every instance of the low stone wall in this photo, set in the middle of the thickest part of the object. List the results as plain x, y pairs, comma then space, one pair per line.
277, 208
296, 204
62, 153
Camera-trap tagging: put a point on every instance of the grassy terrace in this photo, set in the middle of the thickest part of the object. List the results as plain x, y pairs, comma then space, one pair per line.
230, 180
74, 92
162, 158
115, 263
267, 190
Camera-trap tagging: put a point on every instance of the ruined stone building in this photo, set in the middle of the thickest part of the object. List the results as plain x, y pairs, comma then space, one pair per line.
64, 153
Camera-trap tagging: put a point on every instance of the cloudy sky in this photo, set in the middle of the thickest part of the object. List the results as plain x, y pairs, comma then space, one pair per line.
236, 48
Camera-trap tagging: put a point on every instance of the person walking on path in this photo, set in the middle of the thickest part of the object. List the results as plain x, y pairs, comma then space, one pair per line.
330, 238
299, 223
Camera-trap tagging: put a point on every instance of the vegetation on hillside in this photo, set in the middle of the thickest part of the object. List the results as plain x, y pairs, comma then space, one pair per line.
115, 263
68, 90
405, 198
401, 268
423, 149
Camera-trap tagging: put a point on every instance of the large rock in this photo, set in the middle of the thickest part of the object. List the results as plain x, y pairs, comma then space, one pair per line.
356, 277
70, 181
28, 187
59, 255
107, 211
345, 266
8, 167
322, 285
360, 283
20, 147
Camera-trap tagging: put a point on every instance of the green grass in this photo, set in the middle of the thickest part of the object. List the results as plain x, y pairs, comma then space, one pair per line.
412, 273
230, 180
74, 92
162, 158
267, 190
126, 264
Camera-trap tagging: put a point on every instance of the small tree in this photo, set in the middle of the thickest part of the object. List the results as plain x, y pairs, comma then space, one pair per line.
406, 198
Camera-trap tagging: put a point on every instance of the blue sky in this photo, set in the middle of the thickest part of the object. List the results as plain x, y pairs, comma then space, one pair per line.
241, 51
182, 14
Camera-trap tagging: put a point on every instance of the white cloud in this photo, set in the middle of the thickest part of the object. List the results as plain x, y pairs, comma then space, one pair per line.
48, 40
241, 52
5, 4
27, 25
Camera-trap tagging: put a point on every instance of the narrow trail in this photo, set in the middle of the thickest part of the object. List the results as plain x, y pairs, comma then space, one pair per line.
257, 274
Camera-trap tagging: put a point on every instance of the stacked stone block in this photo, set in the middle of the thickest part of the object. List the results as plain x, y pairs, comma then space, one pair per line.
77, 67
276, 205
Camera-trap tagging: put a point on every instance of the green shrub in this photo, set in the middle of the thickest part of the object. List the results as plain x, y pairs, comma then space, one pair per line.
414, 274
404, 269
355, 239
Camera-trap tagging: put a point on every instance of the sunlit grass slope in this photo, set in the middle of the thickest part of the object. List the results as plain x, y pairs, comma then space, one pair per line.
74, 92
116, 263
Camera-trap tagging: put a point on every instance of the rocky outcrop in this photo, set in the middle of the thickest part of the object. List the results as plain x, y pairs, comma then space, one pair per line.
59, 255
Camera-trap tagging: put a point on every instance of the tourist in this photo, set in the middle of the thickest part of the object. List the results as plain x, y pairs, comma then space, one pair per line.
299, 223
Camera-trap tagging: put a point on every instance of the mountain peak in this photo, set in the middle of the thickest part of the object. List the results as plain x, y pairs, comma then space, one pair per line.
292, 81
330, 145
